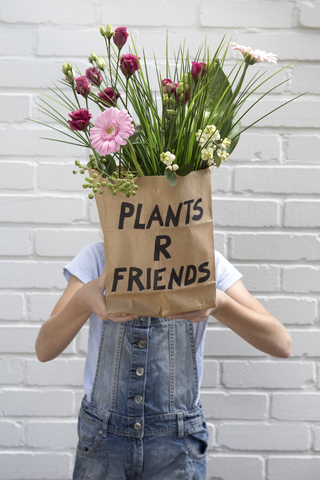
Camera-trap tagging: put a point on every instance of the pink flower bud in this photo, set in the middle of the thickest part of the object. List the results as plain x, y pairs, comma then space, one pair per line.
120, 36
94, 76
129, 64
167, 86
109, 96
197, 69
82, 86
80, 119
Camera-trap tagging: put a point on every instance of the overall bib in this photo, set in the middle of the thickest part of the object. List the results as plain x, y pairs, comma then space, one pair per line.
142, 422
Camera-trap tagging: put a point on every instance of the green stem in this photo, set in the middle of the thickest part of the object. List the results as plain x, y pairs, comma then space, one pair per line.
134, 158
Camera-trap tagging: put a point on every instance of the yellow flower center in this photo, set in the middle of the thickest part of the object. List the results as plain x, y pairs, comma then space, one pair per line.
110, 129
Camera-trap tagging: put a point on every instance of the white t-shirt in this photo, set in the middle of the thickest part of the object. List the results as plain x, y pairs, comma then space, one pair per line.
88, 265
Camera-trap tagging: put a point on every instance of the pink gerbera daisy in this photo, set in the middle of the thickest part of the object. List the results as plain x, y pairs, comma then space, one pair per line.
254, 56
110, 130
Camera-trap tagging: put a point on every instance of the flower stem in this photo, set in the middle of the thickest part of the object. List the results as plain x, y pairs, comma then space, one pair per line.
134, 158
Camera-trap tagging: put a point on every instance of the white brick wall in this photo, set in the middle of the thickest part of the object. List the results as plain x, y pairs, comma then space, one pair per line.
263, 413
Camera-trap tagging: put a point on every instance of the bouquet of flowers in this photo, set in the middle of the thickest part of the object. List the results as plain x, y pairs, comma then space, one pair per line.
192, 121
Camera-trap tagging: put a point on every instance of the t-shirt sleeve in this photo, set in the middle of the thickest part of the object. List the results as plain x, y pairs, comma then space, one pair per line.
226, 274
88, 264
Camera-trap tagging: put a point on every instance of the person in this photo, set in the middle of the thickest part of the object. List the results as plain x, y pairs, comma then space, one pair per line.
141, 416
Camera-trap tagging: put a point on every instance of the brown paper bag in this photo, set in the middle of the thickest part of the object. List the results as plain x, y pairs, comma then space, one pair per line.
159, 248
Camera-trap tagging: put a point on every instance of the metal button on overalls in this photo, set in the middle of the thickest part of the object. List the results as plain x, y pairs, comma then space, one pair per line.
138, 399
142, 344
140, 371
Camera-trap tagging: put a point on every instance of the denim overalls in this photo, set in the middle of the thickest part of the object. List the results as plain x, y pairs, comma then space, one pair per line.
142, 422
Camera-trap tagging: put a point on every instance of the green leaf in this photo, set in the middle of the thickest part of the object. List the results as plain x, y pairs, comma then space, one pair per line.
171, 177
234, 133
219, 85
185, 169
137, 132
110, 165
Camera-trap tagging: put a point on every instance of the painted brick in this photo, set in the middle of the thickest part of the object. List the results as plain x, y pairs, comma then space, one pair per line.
234, 406
63, 243
262, 374
302, 113
309, 15
76, 12
32, 274
224, 342
10, 434
212, 434
260, 278
51, 434
291, 310
34, 465
301, 279
303, 148
29, 403
317, 438
11, 371
221, 180
60, 372
180, 13
220, 242
257, 147
40, 305
11, 306
30, 144
21, 172
65, 42
19, 339
301, 180
40, 209
59, 177
14, 108
210, 373
245, 213
275, 246
281, 43
36, 73
228, 467
284, 437
293, 468
16, 241
302, 213
296, 406
269, 13
304, 79
305, 343
16, 41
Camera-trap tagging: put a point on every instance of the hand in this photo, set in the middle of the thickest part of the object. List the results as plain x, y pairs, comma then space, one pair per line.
92, 298
200, 315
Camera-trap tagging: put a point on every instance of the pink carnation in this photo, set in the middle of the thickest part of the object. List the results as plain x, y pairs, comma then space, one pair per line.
120, 36
254, 56
111, 129
109, 96
80, 119
129, 64
82, 86
198, 70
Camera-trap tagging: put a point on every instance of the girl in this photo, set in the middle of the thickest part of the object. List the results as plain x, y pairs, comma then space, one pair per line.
141, 417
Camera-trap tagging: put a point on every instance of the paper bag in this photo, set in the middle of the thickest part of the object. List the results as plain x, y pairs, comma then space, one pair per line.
159, 247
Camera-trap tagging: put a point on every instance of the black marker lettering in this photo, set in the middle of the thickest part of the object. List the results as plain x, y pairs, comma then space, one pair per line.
175, 278
127, 210
117, 277
207, 272
137, 224
161, 248
198, 217
173, 217
158, 278
191, 275
188, 202
134, 276
155, 217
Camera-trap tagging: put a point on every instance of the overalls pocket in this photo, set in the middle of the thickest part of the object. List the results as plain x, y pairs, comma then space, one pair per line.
89, 430
196, 440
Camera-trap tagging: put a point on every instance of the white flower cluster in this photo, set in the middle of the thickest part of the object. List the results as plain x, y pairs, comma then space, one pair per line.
207, 139
168, 158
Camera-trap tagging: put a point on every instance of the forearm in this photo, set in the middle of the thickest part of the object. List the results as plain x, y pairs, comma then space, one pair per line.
263, 331
60, 329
